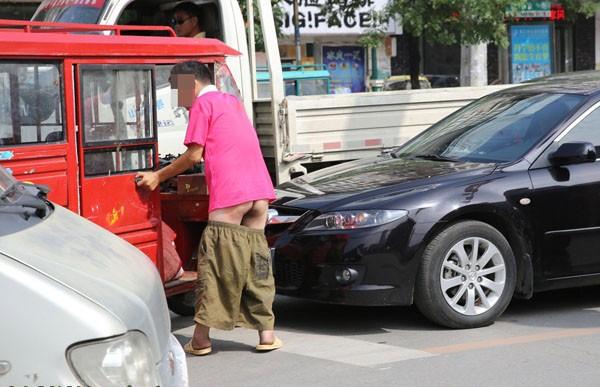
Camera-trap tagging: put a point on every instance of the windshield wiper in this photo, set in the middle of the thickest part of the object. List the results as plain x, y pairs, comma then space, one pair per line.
25, 199
435, 157
35, 190
26, 206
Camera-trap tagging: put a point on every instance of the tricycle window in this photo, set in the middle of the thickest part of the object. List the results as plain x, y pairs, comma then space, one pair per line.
116, 104
118, 120
31, 110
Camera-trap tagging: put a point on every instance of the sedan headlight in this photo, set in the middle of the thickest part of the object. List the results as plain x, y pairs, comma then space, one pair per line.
346, 220
121, 361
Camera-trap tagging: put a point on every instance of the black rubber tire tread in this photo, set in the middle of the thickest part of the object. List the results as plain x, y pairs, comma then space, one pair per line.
428, 295
182, 304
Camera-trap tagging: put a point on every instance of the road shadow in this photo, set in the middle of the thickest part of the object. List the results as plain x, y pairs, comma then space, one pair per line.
566, 308
298, 315
569, 308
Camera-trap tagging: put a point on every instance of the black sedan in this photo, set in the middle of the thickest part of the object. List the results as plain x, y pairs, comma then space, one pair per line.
500, 198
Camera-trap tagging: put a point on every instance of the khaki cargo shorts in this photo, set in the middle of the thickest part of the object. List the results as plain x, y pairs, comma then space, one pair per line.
235, 278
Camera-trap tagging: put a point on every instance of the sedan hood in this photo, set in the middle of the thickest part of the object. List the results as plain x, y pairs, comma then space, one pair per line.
100, 267
372, 177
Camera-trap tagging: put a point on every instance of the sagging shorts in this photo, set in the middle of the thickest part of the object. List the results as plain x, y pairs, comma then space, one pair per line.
235, 279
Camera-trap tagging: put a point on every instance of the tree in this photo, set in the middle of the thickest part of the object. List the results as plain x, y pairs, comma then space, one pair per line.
586, 8
277, 15
447, 22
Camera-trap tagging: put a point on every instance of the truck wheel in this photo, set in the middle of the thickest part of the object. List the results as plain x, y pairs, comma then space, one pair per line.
467, 276
183, 304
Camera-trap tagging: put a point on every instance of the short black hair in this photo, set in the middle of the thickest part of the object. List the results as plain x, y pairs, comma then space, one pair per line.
200, 71
189, 8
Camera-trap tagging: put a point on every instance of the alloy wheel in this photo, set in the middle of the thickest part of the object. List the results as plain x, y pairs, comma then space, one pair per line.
473, 276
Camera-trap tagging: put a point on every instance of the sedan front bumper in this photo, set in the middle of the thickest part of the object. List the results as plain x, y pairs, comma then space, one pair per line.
371, 266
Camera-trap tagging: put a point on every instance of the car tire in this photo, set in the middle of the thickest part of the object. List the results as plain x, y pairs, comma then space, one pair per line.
183, 304
457, 289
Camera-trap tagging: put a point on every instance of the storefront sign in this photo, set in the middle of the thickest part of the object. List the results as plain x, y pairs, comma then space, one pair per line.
540, 9
531, 51
346, 64
313, 21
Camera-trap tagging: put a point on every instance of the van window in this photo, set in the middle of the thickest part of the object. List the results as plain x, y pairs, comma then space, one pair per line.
152, 12
32, 111
225, 82
69, 12
117, 119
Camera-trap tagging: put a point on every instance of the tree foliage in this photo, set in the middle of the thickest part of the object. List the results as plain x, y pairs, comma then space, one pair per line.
586, 8
441, 21
277, 15
447, 21
451, 21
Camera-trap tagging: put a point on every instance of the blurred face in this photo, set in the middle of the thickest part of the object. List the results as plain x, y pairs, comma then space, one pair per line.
187, 87
185, 25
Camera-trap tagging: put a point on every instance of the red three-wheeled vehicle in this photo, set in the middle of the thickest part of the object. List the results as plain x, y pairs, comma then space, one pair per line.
84, 107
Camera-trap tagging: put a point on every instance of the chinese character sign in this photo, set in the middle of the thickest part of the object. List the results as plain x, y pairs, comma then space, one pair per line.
531, 51
346, 64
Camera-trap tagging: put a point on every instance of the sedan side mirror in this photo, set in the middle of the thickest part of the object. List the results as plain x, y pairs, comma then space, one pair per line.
573, 153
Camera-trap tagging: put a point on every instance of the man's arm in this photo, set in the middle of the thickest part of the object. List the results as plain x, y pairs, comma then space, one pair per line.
151, 180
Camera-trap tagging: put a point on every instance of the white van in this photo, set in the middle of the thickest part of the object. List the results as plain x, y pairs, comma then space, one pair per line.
80, 306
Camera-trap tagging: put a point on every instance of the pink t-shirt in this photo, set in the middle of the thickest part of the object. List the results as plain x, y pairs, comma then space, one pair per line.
235, 170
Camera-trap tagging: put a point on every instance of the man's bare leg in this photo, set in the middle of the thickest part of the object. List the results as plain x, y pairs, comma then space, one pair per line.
201, 338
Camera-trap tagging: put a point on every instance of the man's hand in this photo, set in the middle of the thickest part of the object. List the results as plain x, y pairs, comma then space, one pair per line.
151, 180
148, 180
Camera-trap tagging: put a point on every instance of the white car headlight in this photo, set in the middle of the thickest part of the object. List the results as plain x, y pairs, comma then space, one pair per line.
120, 361
347, 220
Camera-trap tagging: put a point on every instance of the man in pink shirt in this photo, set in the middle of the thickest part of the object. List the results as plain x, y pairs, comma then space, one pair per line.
235, 279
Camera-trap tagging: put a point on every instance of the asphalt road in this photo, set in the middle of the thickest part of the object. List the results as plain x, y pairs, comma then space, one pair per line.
551, 340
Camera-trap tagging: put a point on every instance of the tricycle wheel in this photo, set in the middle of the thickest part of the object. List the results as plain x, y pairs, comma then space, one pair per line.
183, 304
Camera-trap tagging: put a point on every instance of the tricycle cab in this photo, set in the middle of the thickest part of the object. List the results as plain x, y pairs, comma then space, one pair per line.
83, 112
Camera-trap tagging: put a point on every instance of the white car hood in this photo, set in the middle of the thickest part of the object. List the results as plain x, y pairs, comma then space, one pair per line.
98, 265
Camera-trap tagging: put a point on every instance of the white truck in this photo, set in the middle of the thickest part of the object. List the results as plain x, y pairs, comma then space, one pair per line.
295, 132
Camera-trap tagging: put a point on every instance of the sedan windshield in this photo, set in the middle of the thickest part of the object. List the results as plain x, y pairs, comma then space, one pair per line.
495, 129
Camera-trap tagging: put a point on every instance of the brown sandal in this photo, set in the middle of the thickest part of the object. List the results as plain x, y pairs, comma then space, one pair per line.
196, 352
276, 344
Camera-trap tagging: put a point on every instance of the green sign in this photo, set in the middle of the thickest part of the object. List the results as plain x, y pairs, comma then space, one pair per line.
531, 9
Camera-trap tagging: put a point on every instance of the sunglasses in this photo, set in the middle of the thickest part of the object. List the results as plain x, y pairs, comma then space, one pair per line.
176, 22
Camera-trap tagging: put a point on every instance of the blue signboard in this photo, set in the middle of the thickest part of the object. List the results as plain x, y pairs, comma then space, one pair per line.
346, 64
531, 51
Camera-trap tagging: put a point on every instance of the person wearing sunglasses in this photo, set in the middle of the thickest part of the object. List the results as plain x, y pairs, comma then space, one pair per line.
186, 21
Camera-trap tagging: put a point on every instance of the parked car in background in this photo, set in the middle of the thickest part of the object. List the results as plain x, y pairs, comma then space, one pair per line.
80, 306
499, 198
402, 82
443, 80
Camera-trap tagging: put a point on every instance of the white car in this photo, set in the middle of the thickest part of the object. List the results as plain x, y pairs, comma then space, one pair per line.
79, 305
